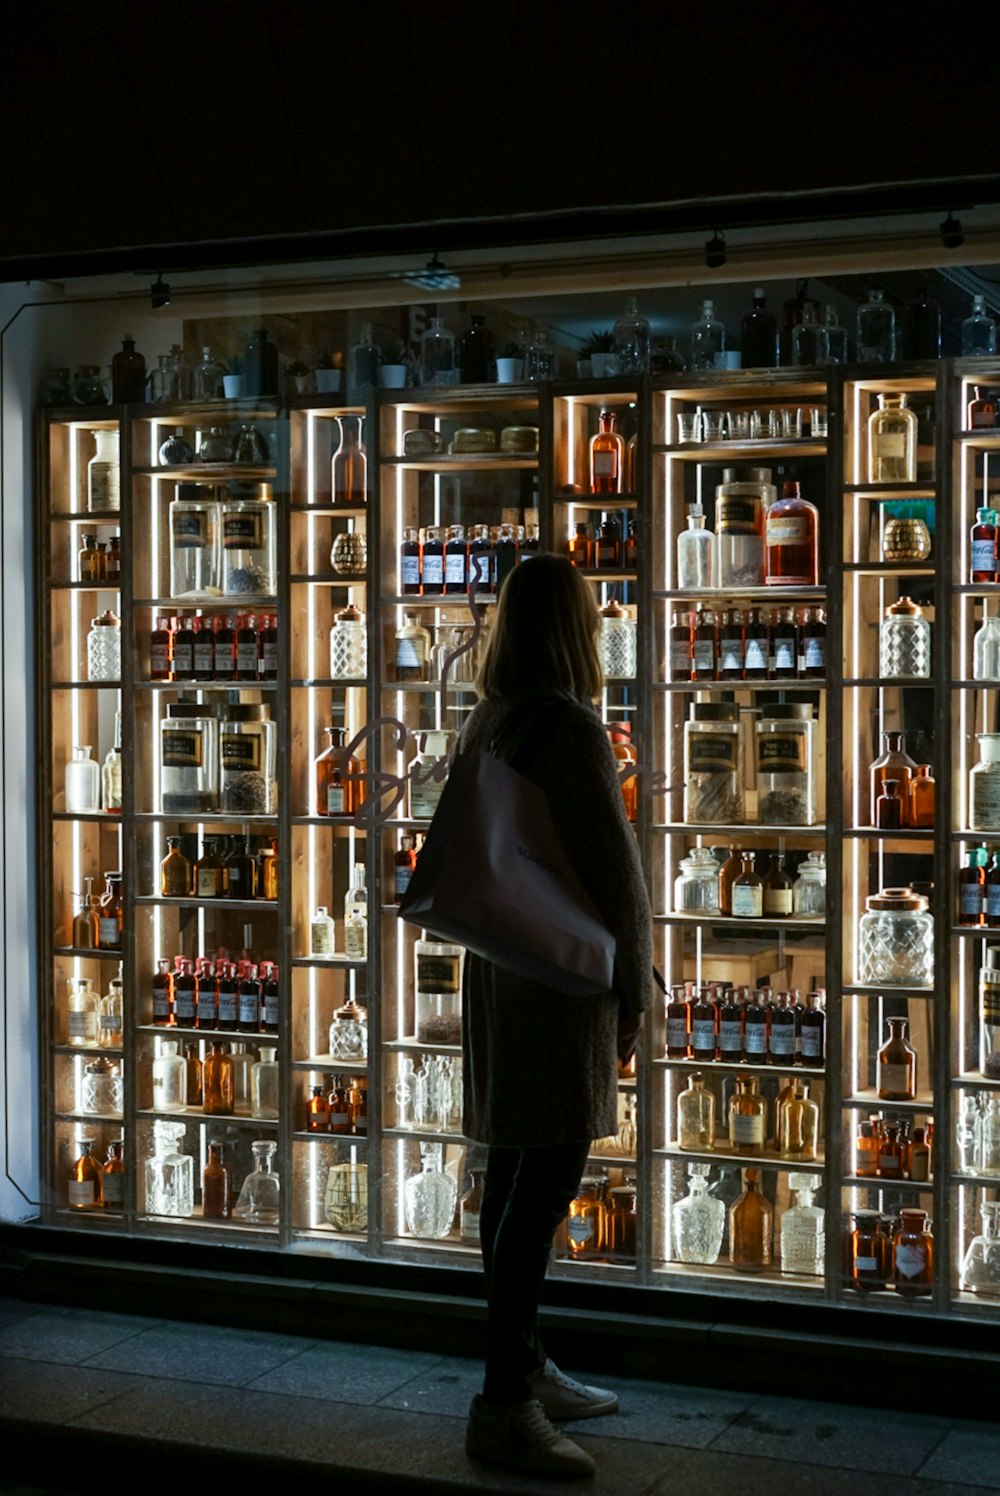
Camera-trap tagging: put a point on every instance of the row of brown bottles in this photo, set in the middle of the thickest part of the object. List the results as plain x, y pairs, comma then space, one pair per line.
738, 1025
341, 1107
97, 562
885, 1148
880, 1252
97, 924
901, 792
96, 1186
226, 869
755, 644
232, 996
340, 777
194, 646
979, 887
607, 549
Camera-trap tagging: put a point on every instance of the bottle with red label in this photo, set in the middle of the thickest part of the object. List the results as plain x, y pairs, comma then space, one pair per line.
247, 646
161, 651
225, 648
184, 648
204, 649
267, 647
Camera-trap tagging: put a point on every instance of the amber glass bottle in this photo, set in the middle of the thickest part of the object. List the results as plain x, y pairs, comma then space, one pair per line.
216, 1186
921, 808
194, 1091
678, 1024
113, 1177
897, 1065
161, 651
110, 914
728, 873
580, 546
608, 543
210, 873
777, 887
913, 1255
318, 1111
620, 734
224, 658
607, 455
791, 541
704, 1025
340, 785
747, 1117
866, 1152
750, 1228
85, 926
218, 1081
799, 1125
85, 1180
175, 872
748, 890
892, 763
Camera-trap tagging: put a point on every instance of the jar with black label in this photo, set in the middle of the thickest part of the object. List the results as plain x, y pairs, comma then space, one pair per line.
194, 542
248, 784
438, 983
189, 759
713, 764
249, 563
786, 780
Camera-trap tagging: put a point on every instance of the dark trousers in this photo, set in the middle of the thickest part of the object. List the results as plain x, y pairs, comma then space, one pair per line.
525, 1196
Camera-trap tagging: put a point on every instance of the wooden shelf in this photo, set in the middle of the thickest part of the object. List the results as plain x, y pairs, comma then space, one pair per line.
870, 1099
720, 1155
725, 453
209, 472
470, 462
789, 924
741, 1067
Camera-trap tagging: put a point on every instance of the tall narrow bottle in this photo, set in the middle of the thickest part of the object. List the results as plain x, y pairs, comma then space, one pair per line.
759, 335
979, 331
876, 331
750, 1228
708, 339
696, 552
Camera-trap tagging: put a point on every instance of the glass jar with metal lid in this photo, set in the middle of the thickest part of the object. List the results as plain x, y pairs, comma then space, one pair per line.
349, 645
189, 759
739, 526
696, 887
809, 888
616, 641
195, 557
713, 764
349, 1032
896, 945
101, 1093
904, 642
104, 648
786, 780
247, 760
249, 562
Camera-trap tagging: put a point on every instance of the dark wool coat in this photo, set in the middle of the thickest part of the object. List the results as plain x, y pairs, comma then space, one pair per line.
540, 1067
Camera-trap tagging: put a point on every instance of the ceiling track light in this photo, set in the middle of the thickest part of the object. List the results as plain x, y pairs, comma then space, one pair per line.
952, 233
159, 293
435, 276
715, 251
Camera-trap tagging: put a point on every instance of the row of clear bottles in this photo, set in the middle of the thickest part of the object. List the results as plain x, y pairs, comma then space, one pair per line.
169, 1181
699, 1221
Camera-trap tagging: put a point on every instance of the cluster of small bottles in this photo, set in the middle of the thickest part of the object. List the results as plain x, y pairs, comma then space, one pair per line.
99, 561
339, 777
795, 1132
97, 1186
219, 1080
746, 1026
169, 1180
216, 993
97, 924
341, 1106
422, 651
92, 787
446, 560
978, 1134
602, 1224
226, 869
885, 1251
887, 1148
322, 930
774, 546
901, 791
603, 547
215, 647
699, 1223
429, 1098
706, 885
93, 1020
751, 644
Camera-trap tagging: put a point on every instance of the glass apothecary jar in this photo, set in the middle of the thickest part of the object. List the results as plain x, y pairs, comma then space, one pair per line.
904, 642
83, 782
809, 888
102, 1092
892, 442
981, 1267
913, 1255
169, 1174
346, 1202
786, 764
699, 1220
984, 784
586, 1224
258, 1201
868, 1251
104, 648
195, 554
249, 557
696, 887
104, 475
349, 645
438, 989
189, 759
896, 940
616, 642
349, 1032
247, 760
430, 1197
713, 764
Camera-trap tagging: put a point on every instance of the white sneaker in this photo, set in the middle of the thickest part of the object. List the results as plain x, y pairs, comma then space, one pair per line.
520, 1437
562, 1398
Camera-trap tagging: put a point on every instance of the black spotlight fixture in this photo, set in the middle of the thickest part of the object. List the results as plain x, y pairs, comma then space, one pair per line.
159, 293
715, 251
952, 233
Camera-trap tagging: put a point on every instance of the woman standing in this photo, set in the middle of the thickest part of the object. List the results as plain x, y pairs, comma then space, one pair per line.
539, 1067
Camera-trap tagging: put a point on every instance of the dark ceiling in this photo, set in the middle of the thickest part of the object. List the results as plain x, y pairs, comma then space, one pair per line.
129, 126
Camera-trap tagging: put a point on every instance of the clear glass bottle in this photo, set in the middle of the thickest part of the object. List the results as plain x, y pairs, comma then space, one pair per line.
802, 1231
747, 1117
708, 339
427, 774
169, 1174
265, 1090
82, 1012
809, 888
979, 331
989, 1005
101, 1089
195, 548
321, 933
896, 940
740, 503
836, 337
984, 784
750, 1227
111, 773
632, 346
989, 1139
438, 364
696, 1116
785, 738
104, 648
696, 552
83, 782
892, 442
110, 1016
699, 1220
169, 1078
539, 358
104, 475
876, 331
810, 344
791, 540
430, 1197
981, 1266
413, 650
348, 1037
258, 1204
713, 764
189, 759
208, 375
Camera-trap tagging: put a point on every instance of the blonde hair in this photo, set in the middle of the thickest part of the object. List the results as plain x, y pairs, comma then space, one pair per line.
544, 636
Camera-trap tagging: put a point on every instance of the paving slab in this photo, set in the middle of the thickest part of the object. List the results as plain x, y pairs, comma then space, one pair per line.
202, 1353
70, 1336
653, 1413
813, 1433
969, 1455
44, 1393
346, 1373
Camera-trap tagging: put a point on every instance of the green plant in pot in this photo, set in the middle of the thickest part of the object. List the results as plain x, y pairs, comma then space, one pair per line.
394, 365
297, 377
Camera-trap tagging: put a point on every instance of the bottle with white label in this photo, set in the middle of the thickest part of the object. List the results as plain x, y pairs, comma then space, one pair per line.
82, 1012
892, 442
321, 933
169, 1078
748, 890
427, 774
413, 650
696, 552
896, 1070
984, 784
356, 916
747, 1117
85, 1181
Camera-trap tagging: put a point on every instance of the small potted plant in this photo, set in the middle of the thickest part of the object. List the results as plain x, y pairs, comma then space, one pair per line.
232, 380
394, 366
603, 359
510, 365
328, 373
297, 377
